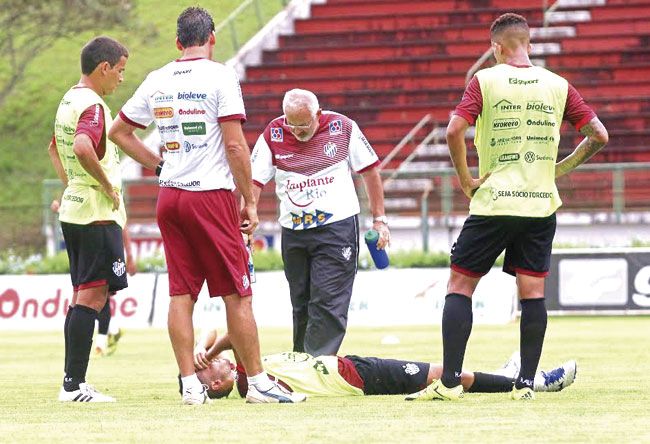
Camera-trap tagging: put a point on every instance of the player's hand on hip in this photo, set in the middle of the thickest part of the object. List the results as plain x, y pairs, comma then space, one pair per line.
384, 234
114, 195
470, 187
249, 217
200, 358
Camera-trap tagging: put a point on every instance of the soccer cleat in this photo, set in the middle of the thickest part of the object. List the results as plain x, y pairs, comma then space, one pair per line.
512, 366
112, 342
196, 396
275, 394
85, 393
556, 379
436, 391
522, 394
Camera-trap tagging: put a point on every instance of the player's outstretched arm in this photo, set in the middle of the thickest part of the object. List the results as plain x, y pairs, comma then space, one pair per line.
596, 138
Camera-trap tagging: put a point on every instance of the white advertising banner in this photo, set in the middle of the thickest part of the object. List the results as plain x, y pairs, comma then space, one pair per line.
41, 302
387, 297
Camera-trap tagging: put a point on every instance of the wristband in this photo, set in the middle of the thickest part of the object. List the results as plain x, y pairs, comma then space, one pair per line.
159, 168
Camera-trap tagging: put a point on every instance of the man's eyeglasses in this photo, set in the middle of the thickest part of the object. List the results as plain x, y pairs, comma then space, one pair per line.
298, 127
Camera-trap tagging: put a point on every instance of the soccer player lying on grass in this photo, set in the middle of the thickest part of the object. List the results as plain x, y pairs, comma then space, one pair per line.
354, 375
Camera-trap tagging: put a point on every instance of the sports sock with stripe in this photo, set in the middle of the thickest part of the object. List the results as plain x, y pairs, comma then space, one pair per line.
457, 321
489, 383
66, 338
532, 328
81, 326
104, 318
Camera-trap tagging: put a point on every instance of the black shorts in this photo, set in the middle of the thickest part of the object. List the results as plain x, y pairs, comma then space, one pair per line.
390, 376
527, 241
96, 254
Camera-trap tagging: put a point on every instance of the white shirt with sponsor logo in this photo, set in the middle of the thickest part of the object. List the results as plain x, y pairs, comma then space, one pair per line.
187, 99
314, 178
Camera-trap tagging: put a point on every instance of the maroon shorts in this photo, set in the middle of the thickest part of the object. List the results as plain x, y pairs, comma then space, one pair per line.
200, 232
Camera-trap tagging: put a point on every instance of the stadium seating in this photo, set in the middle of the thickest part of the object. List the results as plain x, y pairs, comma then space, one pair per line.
388, 63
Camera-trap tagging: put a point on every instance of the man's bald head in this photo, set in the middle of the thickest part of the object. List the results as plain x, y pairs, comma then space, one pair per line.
510, 30
218, 377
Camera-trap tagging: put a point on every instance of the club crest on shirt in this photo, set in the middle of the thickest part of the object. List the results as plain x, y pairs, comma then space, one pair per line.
276, 135
346, 252
329, 149
119, 267
411, 369
336, 127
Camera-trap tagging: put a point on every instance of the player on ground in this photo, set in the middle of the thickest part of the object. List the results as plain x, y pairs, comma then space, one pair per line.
354, 375
518, 109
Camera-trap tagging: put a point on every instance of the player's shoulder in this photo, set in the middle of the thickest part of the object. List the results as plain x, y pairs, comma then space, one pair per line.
336, 120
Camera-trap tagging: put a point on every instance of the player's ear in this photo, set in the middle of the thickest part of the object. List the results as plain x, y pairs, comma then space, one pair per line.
215, 384
178, 44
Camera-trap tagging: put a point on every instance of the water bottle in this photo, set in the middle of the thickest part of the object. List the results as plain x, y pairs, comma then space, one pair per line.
379, 257
251, 266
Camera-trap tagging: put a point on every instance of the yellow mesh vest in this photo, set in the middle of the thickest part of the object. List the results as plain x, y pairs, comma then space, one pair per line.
83, 201
517, 137
307, 374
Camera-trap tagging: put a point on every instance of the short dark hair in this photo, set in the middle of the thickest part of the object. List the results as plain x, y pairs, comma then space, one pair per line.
506, 21
217, 394
194, 26
101, 49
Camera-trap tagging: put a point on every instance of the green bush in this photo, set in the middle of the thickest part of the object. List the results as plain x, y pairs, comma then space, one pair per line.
57, 264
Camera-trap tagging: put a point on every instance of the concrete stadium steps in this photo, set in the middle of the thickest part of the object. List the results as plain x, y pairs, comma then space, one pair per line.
376, 82
617, 27
351, 23
387, 63
439, 64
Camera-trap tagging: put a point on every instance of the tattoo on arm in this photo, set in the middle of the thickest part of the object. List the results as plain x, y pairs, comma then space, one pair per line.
595, 138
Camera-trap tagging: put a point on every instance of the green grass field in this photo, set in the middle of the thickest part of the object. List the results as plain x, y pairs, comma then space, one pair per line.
608, 403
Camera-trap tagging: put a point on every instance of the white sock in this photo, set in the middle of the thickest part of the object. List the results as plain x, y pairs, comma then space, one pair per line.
191, 381
113, 327
101, 341
261, 381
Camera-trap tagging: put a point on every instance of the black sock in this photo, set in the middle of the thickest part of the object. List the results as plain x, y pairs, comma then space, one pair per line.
532, 328
489, 383
456, 327
81, 326
66, 339
104, 318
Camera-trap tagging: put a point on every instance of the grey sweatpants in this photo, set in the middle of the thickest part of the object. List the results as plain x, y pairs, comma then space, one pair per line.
320, 265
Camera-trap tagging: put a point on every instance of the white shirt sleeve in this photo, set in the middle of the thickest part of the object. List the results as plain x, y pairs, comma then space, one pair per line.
138, 109
361, 153
262, 161
229, 96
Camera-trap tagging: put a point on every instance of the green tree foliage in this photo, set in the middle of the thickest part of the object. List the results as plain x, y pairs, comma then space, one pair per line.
27, 28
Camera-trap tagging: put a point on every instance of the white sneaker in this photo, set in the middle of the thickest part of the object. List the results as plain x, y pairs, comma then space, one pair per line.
196, 396
556, 379
85, 393
277, 393
512, 366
